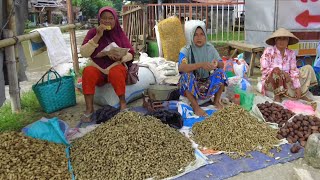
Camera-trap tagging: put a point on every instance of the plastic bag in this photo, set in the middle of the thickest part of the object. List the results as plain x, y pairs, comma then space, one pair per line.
246, 98
240, 66
298, 107
172, 118
104, 114
237, 82
52, 130
228, 65
239, 69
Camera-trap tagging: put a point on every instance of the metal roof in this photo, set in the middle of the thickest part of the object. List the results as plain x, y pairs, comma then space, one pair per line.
46, 3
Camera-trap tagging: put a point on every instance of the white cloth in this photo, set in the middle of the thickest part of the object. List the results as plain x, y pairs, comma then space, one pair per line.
160, 67
57, 49
158, 40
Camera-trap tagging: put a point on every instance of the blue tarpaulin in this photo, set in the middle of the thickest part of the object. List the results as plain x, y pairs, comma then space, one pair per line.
223, 166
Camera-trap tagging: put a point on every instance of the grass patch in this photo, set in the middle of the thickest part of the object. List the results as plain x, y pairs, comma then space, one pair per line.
227, 36
31, 111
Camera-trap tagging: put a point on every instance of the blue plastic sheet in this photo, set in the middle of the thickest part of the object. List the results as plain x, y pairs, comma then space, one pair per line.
224, 167
189, 122
52, 130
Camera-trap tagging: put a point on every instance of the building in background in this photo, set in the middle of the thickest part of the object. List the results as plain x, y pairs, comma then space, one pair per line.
42, 12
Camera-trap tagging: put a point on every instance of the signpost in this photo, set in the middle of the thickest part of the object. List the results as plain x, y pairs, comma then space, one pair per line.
299, 14
302, 17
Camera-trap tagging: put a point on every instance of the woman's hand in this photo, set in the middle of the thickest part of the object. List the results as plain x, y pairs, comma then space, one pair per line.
100, 30
99, 34
287, 76
101, 54
215, 63
114, 57
208, 66
298, 93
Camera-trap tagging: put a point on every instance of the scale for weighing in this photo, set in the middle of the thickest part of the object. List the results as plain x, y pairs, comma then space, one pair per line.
159, 96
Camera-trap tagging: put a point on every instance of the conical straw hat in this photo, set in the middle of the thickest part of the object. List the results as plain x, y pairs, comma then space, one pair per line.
282, 32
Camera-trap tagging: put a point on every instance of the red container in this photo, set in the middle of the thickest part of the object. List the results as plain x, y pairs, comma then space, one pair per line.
236, 99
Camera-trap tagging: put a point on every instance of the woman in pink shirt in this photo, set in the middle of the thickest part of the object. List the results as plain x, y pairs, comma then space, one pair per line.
279, 69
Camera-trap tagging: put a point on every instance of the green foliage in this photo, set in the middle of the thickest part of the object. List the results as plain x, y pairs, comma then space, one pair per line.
31, 111
29, 24
90, 8
118, 4
76, 2
227, 36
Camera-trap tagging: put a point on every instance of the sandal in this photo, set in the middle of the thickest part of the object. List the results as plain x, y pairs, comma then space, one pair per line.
86, 118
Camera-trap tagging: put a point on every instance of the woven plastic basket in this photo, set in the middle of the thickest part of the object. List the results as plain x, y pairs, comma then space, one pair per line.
55, 94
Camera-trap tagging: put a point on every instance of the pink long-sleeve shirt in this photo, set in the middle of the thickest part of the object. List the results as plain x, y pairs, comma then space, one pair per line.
272, 58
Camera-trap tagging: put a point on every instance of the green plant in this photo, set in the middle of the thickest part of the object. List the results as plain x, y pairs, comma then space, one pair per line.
29, 24
31, 111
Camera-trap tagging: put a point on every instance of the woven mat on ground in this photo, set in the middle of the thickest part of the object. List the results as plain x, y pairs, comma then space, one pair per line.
222, 166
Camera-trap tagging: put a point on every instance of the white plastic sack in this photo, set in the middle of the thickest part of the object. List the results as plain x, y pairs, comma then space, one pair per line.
188, 26
158, 40
160, 67
105, 95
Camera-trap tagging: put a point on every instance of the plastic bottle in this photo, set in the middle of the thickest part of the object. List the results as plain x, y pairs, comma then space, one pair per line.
236, 99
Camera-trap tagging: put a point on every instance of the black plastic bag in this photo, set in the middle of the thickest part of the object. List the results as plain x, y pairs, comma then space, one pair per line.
173, 118
104, 114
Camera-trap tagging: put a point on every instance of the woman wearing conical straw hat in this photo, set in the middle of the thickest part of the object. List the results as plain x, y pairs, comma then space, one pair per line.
279, 69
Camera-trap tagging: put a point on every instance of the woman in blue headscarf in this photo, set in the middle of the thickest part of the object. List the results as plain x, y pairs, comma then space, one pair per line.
201, 73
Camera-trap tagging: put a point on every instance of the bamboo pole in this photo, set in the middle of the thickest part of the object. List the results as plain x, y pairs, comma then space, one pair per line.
131, 11
14, 90
73, 39
12, 41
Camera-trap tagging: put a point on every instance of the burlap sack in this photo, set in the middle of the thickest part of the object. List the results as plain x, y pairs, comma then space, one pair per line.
172, 38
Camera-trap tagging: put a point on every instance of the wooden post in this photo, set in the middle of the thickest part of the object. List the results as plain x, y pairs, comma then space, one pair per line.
12, 26
145, 25
49, 16
14, 90
73, 39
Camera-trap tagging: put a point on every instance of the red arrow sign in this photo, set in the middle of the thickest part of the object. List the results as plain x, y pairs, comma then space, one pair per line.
305, 1
305, 18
